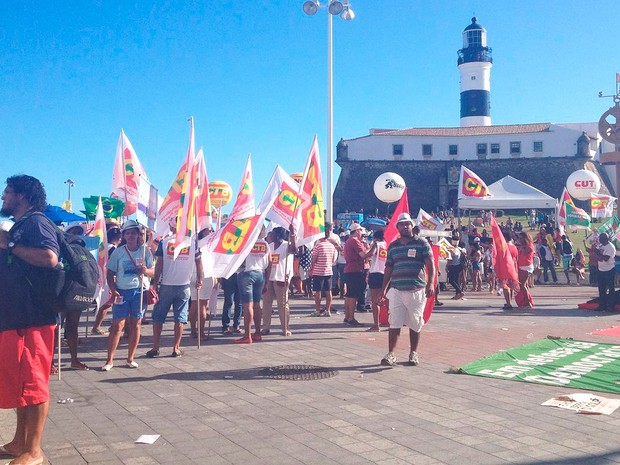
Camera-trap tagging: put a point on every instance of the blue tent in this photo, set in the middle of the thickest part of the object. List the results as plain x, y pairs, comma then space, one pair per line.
374, 224
60, 215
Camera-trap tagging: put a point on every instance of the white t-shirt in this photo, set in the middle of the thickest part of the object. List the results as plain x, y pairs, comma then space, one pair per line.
607, 249
377, 262
281, 262
258, 258
176, 272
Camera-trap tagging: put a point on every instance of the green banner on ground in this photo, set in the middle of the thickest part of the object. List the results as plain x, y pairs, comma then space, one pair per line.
555, 362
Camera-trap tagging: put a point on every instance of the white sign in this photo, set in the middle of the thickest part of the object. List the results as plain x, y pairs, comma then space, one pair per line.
581, 183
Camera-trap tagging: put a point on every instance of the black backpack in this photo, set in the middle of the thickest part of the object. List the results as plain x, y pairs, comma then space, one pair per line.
567, 248
72, 285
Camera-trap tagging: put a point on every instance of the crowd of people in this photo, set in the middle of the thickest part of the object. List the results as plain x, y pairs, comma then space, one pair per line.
352, 263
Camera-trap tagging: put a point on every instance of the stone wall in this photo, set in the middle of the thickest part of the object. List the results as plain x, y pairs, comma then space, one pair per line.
428, 186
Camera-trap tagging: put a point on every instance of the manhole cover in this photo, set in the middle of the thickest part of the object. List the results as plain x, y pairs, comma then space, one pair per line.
298, 372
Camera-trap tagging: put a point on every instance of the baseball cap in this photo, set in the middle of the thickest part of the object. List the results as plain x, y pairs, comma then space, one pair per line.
404, 218
476, 239
130, 224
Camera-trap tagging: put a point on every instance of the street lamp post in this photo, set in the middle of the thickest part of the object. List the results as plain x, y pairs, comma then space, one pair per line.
342, 8
70, 183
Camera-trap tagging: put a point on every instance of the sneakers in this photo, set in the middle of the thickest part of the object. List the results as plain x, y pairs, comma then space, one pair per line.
352, 322
132, 364
389, 360
256, 337
98, 331
243, 340
152, 353
326, 313
317, 313
413, 358
107, 367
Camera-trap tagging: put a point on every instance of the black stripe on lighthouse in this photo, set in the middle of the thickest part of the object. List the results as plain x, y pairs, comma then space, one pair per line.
475, 103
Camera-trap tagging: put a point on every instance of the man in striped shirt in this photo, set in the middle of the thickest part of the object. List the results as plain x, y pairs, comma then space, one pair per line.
324, 256
409, 285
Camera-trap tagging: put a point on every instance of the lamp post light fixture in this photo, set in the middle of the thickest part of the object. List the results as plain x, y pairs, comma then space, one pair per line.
344, 10
67, 205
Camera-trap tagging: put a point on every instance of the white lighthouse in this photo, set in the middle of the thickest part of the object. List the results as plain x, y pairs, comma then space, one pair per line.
474, 63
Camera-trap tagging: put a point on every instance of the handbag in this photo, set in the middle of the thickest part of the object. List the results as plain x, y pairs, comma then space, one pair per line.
151, 296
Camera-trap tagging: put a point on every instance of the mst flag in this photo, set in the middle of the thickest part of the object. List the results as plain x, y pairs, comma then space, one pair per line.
576, 217
391, 232
471, 185
505, 267
126, 174
602, 205
244, 205
100, 231
427, 221
186, 218
309, 214
565, 199
611, 227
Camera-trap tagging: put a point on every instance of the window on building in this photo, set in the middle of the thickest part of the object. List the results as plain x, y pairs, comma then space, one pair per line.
538, 147
397, 149
453, 149
494, 148
427, 149
473, 78
474, 37
515, 148
481, 149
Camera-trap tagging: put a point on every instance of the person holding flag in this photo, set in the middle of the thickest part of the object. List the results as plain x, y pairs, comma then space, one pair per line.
605, 253
408, 281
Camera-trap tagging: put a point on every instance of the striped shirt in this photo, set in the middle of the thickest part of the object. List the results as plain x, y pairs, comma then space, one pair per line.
323, 258
407, 263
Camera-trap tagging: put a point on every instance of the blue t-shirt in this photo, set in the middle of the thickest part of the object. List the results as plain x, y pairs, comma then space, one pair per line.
21, 284
126, 272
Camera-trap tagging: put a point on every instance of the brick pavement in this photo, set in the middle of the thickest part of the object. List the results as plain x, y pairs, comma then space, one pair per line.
212, 406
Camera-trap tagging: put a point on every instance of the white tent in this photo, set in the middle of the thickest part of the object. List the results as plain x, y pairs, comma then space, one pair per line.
509, 193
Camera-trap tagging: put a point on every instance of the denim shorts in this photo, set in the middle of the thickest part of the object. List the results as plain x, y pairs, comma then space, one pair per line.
176, 297
250, 284
130, 306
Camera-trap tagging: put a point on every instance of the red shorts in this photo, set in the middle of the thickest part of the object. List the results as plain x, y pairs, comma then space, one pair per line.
25, 369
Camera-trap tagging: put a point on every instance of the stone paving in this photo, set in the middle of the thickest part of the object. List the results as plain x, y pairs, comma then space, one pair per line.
215, 406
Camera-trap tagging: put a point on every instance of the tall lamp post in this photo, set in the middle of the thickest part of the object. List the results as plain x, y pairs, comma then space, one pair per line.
342, 8
67, 205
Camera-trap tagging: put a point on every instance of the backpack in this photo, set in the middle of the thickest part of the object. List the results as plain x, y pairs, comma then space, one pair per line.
71, 286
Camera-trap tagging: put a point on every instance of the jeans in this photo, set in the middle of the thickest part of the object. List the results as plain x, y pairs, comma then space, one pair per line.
454, 273
606, 291
593, 274
549, 266
231, 293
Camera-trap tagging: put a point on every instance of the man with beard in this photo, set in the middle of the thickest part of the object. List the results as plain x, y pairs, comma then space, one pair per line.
27, 321
406, 286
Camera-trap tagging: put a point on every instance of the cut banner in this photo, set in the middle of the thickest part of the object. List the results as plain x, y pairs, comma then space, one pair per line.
472, 185
556, 362
429, 222
602, 206
284, 189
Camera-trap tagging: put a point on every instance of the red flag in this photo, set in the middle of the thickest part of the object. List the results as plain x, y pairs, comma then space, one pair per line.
391, 233
503, 263
186, 212
430, 302
471, 185
244, 205
309, 215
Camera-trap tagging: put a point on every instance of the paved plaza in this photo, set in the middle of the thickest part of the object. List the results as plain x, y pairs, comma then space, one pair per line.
217, 405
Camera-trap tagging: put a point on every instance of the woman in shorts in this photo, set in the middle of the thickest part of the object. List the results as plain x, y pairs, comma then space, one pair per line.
378, 254
127, 268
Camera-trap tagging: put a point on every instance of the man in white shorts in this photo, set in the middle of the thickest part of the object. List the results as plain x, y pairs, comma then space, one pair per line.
406, 286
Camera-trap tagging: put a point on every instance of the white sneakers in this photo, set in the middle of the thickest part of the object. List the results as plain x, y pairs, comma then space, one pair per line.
390, 359
107, 367
132, 364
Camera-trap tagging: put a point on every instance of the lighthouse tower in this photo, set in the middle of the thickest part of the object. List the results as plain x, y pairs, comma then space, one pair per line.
474, 63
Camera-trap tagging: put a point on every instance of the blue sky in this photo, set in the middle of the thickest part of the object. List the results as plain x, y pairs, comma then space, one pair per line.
254, 76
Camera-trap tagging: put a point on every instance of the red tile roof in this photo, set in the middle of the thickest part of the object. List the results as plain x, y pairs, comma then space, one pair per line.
469, 131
